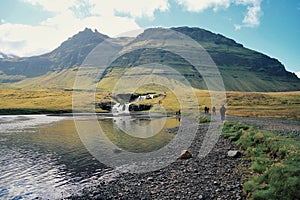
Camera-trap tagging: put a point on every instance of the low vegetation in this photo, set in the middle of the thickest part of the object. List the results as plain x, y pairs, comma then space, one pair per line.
283, 105
275, 162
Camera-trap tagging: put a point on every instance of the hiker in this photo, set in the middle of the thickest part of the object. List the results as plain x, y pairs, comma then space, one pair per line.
206, 110
214, 110
222, 112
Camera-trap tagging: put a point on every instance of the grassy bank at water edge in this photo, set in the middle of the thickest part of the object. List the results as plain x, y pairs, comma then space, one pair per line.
274, 172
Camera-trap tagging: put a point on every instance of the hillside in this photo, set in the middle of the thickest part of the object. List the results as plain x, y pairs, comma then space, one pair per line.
70, 53
242, 69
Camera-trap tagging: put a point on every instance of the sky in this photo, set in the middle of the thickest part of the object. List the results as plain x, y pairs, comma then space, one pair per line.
33, 27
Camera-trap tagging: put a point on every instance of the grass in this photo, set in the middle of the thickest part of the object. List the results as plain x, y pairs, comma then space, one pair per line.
275, 162
14, 101
282, 105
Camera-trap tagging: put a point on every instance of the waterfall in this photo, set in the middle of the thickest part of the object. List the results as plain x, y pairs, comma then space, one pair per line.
119, 109
140, 98
143, 97
123, 109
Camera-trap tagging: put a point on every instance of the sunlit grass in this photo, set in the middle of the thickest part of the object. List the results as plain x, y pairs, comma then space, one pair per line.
283, 105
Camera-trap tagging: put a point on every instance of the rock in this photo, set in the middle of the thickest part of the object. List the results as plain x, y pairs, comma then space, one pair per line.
117, 150
233, 153
150, 179
185, 154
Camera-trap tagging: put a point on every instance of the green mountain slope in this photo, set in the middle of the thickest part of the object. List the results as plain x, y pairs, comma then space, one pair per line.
242, 69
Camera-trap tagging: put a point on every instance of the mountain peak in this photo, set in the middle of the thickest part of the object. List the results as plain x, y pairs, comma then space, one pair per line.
4, 56
242, 69
87, 33
202, 35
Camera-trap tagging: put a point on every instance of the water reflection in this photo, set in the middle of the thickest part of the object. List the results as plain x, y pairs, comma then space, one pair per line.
138, 135
43, 157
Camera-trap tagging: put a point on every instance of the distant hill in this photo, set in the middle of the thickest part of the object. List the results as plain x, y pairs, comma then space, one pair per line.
242, 69
4, 56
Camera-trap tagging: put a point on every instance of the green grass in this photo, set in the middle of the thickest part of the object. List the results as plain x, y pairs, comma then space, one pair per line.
275, 162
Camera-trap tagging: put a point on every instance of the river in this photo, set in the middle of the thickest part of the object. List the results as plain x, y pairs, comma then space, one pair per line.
43, 156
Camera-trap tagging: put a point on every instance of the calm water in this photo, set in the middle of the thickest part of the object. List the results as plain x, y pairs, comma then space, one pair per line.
43, 156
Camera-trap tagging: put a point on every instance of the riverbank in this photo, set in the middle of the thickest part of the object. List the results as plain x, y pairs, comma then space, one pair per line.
215, 176
274, 160
31, 111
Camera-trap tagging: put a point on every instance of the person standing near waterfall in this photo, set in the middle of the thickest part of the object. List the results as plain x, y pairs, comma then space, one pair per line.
222, 112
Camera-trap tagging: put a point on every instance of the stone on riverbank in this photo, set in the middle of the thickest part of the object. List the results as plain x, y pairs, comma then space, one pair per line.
233, 154
185, 154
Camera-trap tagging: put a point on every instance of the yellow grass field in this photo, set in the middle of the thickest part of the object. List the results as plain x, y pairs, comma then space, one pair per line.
283, 105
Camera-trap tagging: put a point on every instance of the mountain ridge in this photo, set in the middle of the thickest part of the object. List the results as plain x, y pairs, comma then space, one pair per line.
241, 68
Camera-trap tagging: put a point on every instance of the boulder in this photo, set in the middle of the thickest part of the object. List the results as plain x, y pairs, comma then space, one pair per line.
233, 153
185, 154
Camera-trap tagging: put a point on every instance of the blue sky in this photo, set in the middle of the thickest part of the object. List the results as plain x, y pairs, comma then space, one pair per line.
31, 27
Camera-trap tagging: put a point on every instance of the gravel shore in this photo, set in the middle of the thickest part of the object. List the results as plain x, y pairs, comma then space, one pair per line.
283, 127
215, 176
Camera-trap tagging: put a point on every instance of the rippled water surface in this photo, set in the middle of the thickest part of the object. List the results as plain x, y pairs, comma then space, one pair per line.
43, 156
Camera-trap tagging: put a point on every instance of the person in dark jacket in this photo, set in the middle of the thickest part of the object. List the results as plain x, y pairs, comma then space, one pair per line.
222, 112
214, 110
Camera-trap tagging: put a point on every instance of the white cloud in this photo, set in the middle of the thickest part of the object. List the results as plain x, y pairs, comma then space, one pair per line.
71, 16
26, 40
198, 6
237, 26
251, 19
298, 74
54, 5
134, 8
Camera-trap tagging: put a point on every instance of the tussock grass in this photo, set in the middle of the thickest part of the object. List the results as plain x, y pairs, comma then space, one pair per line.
275, 162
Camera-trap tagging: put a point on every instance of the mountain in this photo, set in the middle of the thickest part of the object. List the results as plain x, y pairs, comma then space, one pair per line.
70, 53
242, 69
4, 56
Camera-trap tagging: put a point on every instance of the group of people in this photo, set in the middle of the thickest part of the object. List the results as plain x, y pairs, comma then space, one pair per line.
222, 111
206, 111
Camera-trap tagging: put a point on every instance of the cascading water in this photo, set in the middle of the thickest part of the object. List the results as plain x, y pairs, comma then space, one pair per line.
119, 109
140, 98
123, 109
